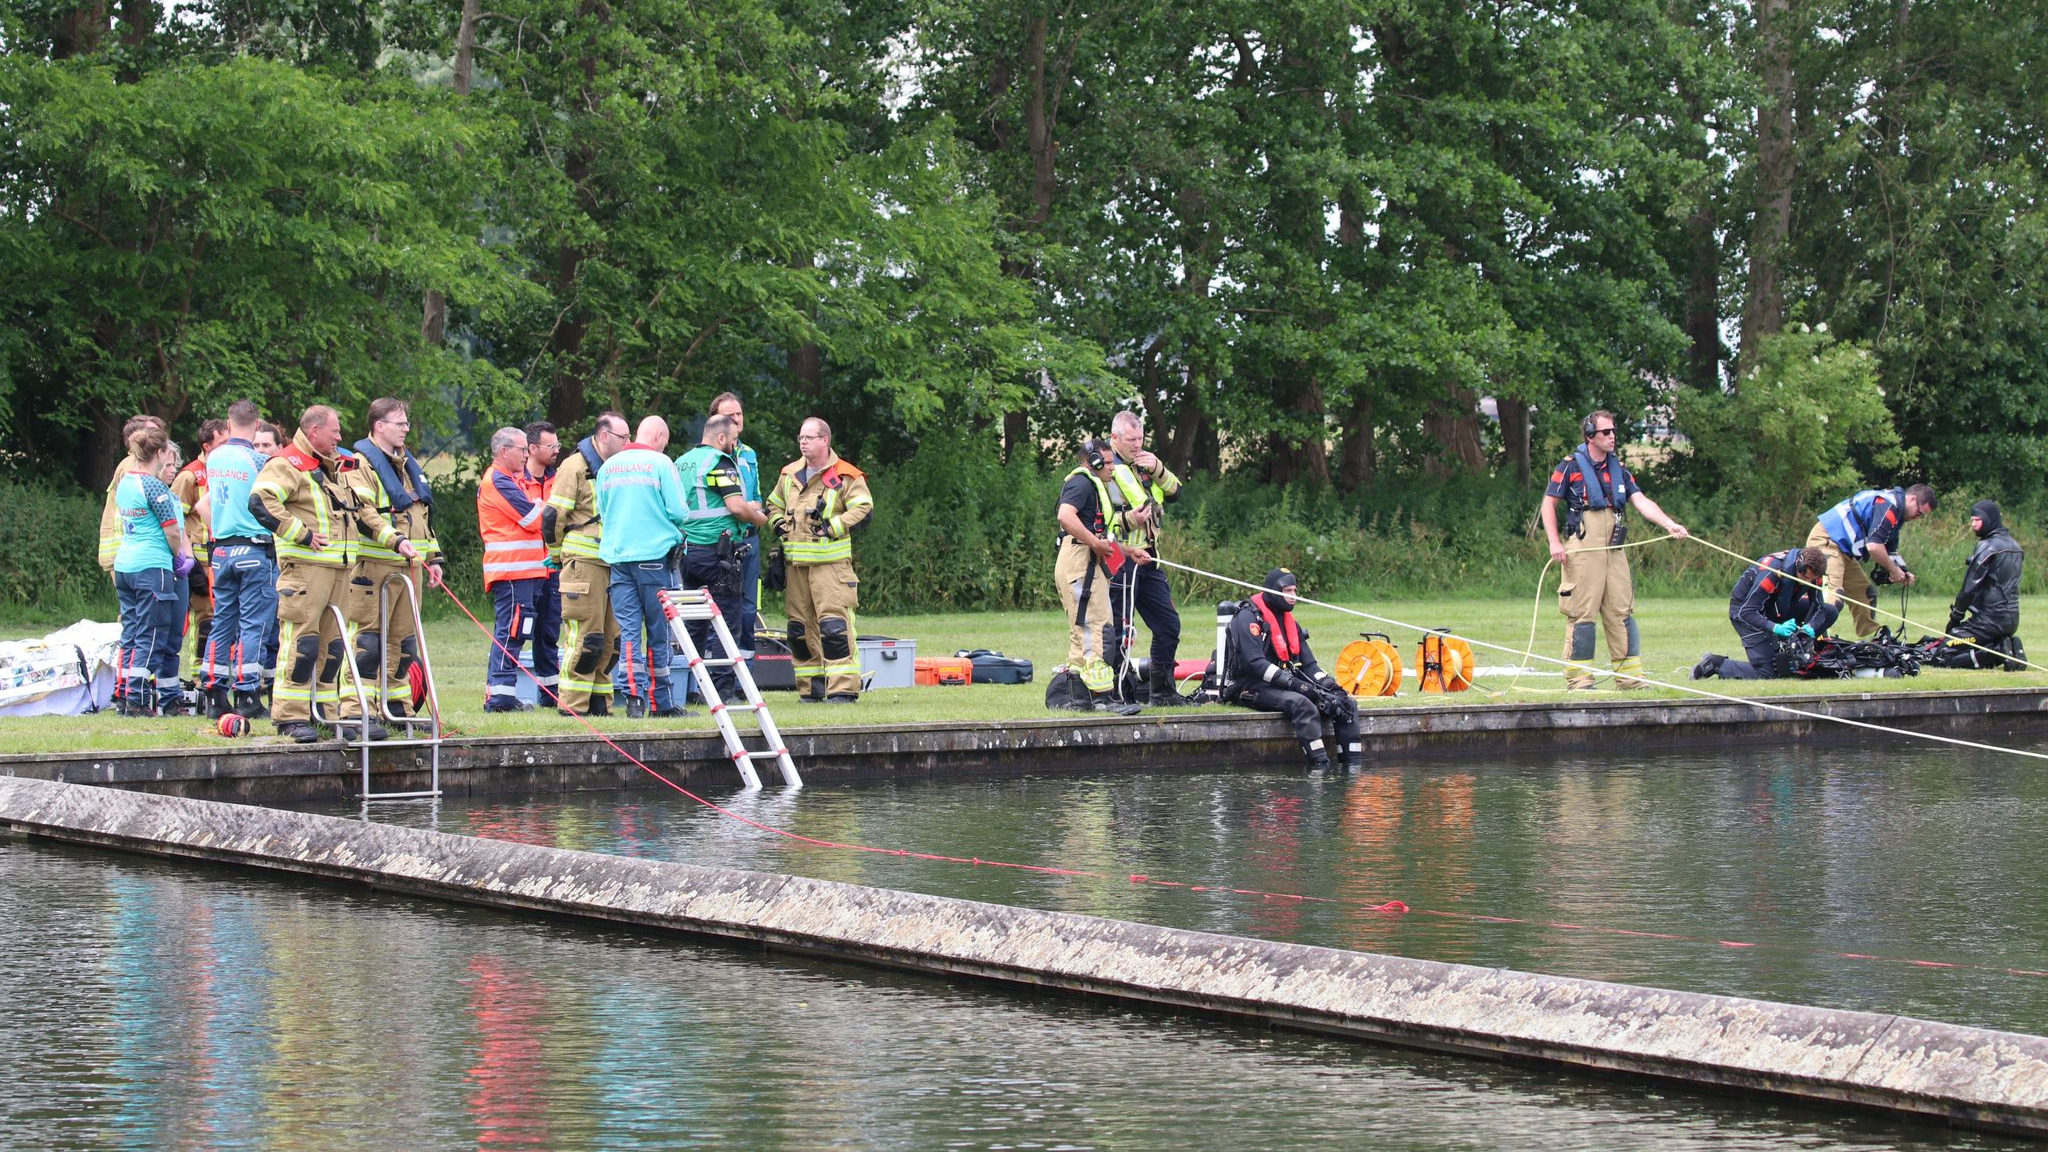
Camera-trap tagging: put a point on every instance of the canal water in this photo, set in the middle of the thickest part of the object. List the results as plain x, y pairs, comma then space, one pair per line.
159, 1005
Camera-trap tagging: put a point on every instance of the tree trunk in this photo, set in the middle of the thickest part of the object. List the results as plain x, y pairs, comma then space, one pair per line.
1763, 313
1453, 422
1357, 454
1514, 434
566, 395
79, 31
434, 307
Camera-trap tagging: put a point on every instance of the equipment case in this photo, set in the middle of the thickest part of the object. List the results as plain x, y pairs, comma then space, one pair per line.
996, 668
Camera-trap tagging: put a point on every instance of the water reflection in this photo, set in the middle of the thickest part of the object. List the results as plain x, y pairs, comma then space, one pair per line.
158, 1005
1747, 874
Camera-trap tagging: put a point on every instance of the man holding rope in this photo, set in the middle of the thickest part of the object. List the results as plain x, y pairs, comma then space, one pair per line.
1596, 490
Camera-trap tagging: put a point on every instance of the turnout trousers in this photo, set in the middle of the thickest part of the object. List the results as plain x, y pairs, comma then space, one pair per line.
310, 647
1846, 582
823, 641
590, 637
1084, 589
380, 652
1598, 590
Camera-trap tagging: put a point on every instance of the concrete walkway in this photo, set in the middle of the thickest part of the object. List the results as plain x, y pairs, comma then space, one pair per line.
1061, 742
1937, 1072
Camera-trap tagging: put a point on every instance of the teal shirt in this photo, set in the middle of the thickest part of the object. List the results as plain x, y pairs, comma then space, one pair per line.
145, 507
708, 476
640, 500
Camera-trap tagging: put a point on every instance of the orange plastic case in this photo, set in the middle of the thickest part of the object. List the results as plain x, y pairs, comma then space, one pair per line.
938, 670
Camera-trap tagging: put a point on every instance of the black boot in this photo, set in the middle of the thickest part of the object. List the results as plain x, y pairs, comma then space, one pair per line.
250, 705
1709, 665
600, 706
300, 731
636, 707
1165, 693
1354, 763
219, 702
1319, 761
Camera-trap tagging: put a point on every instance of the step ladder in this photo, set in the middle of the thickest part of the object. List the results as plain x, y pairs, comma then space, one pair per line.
684, 607
410, 730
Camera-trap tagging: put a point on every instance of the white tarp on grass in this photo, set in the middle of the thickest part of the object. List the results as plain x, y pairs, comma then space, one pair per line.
66, 673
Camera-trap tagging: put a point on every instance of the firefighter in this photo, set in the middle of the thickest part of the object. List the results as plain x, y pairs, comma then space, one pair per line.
714, 537
244, 566
189, 486
640, 500
819, 501
1147, 486
1269, 667
1866, 526
508, 514
391, 482
1597, 490
1986, 611
305, 498
1772, 599
572, 529
1088, 514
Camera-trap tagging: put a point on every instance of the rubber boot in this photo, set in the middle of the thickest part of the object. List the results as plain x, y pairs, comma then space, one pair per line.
636, 707
219, 702
250, 705
1165, 693
600, 706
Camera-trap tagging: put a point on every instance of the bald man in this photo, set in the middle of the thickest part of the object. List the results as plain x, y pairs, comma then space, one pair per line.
640, 499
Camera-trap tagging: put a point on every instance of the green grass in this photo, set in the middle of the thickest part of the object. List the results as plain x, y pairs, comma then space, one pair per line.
1675, 631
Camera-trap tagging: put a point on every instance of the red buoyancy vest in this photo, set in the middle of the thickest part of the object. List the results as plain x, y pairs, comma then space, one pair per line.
1287, 646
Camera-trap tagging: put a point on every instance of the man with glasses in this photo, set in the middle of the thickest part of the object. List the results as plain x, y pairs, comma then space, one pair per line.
574, 532
1597, 491
818, 502
391, 481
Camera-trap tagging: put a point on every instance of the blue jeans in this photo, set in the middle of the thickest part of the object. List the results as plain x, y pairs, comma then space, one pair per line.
152, 627
750, 593
643, 662
515, 602
244, 617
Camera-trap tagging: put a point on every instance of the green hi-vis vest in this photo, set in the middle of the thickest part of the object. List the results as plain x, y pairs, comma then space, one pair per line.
705, 516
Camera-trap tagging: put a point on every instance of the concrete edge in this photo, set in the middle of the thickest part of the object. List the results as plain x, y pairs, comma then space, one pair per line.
1933, 1071
1159, 741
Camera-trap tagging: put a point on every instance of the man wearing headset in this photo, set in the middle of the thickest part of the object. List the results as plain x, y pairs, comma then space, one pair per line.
1088, 516
1597, 490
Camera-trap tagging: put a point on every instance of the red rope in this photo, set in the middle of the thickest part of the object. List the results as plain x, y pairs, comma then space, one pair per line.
1389, 906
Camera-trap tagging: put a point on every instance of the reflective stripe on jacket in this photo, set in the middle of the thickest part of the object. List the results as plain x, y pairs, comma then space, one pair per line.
508, 517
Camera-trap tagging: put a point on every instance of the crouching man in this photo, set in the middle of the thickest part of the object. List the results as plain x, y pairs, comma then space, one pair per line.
1775, 597
1269, 667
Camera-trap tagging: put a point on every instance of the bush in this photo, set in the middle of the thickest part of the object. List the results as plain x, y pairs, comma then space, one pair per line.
50, 567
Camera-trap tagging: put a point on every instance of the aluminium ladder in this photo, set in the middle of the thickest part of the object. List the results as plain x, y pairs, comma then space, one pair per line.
683, 607
408, 724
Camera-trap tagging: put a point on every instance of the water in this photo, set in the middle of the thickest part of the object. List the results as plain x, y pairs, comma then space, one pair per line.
1771, 867
160, 1005
164, 1006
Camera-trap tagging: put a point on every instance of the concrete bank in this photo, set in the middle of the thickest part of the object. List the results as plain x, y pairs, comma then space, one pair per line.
575, 760
1933, 1071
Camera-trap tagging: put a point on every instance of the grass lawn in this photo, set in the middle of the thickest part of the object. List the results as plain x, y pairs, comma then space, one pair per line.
1674, 634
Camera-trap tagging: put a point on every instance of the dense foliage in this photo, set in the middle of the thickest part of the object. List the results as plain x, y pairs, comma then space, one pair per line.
1306, 239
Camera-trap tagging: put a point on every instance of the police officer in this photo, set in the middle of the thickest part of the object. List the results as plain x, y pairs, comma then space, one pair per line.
304, 499
391, 482
1597, 490
1147, 486
573, 531
819, 501
244, 568
640, 500
1990, 596
1087, 514
1866, 526
714, 543
728, 404
1772, 599
1269, 667
508, 511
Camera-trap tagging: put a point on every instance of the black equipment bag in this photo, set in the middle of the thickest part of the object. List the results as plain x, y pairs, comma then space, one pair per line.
996, 668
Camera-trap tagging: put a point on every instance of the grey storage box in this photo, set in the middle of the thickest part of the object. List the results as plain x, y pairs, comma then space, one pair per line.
886, 662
